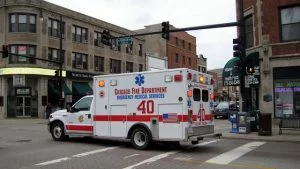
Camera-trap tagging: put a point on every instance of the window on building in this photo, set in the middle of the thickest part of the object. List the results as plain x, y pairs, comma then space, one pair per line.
129, 48
99, 63
27, 50
290, 23
54, 28
22, 23
97, 39
176, 58
140, 67
190, 47
129, 67
140, 49
176, 39
79, 61
190, 61
53, 54
115, 66
183, 44
249, 31
183, 60
199, 68
203, 69
79, 34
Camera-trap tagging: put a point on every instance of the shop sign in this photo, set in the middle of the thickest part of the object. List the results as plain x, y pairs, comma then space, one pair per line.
19, 80
23, 91
79, 75
231, 73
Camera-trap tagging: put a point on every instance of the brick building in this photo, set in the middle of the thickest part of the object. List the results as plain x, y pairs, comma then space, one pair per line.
32, 27
180, 49
273, 33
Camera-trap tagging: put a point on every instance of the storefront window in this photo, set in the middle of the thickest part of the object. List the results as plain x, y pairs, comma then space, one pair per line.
287, 98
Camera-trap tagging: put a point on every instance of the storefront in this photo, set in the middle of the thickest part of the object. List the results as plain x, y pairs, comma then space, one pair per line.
286, 92
81, 84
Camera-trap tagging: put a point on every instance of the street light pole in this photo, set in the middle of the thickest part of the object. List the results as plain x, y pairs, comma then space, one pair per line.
60, 63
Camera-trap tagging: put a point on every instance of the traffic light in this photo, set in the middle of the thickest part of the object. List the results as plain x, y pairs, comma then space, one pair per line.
4, 51
105, 37
165, 30
56, 73
237, 48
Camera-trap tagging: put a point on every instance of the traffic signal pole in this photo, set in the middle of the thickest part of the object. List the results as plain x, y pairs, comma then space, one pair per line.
60, 65
242, 37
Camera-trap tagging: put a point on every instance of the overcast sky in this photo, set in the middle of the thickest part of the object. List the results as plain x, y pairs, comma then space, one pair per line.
214, 44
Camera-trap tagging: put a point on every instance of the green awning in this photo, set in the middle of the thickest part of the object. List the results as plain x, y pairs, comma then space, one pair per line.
82, 88
231, 72
54, 90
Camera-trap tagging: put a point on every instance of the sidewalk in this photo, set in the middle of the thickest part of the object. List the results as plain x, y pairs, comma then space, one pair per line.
224, 126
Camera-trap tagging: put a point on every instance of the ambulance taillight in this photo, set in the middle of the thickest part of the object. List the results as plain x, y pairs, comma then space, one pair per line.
189, 93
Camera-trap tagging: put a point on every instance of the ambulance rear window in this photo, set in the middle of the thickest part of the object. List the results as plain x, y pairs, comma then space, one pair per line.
205, 95
196, 94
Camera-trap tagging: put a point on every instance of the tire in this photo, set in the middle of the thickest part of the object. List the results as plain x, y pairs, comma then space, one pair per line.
58, 132
140, 138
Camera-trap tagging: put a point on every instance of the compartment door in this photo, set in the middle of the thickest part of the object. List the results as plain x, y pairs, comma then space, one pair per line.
170, 123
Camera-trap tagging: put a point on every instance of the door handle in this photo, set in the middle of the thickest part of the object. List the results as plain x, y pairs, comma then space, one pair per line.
65, 115
89, 115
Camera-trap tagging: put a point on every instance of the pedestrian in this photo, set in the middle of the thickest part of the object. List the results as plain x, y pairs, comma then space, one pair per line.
48, 110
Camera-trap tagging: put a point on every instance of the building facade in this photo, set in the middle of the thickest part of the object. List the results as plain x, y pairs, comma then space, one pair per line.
33, 28
273, 33
180, 49
201, 64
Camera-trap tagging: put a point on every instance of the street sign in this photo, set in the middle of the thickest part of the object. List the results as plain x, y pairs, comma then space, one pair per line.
125, 41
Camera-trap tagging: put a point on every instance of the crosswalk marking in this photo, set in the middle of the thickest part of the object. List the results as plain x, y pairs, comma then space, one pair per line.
93, 152
164, 155
54, 161
234, 154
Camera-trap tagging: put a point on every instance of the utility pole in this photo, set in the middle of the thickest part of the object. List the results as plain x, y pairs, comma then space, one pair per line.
61, 99
242, 37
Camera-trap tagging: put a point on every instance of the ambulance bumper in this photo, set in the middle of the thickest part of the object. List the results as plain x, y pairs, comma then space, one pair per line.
198, 138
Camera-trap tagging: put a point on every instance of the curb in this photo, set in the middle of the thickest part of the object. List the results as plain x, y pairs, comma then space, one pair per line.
261, 138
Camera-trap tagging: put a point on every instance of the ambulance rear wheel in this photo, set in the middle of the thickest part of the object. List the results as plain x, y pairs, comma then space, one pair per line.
58, 132
140, 138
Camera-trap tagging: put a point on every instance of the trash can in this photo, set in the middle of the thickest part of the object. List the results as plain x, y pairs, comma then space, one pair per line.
265, 124
232, 117
254, 120
243, 122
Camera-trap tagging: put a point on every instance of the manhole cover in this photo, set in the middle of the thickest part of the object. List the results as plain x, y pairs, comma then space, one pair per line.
22, 141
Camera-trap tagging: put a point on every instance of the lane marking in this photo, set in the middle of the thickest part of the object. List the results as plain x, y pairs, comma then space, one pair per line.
204, 143
234, 154
164, 155
153, 159
183, 158
131, 156
93, 152
54, 161
77, 155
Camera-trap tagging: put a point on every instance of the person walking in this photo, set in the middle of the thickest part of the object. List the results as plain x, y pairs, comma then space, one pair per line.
48, 110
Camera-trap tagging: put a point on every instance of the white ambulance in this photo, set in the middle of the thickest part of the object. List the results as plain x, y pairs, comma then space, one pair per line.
168, 105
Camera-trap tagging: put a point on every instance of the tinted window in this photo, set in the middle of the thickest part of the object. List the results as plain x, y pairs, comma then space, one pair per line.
196, 94
205, 95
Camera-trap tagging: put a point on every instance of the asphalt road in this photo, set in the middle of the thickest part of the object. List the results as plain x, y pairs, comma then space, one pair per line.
26, 144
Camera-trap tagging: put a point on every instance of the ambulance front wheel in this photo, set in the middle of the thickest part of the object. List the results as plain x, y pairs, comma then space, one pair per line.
140, 138
58, 132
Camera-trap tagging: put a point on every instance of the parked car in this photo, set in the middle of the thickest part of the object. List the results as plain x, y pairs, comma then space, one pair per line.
223, 109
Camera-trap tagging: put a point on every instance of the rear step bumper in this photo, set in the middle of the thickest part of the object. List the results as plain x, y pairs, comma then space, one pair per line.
201, 137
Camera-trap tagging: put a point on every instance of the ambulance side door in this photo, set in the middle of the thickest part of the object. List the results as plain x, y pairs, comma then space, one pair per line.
79, 117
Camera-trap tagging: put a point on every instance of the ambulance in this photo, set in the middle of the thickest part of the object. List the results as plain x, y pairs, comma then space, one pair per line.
171, 105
